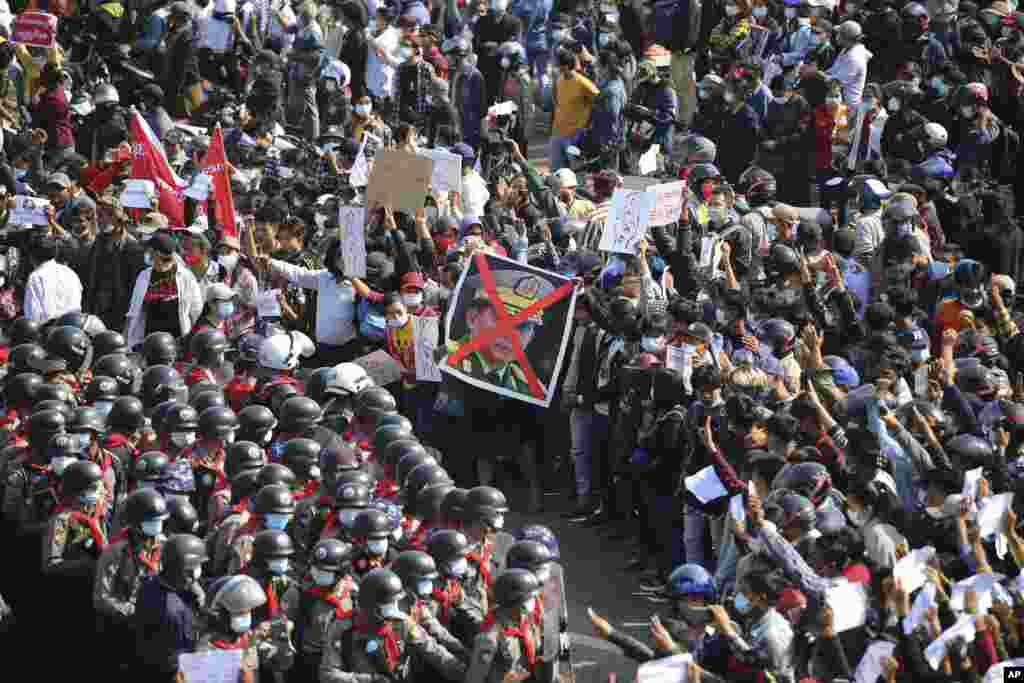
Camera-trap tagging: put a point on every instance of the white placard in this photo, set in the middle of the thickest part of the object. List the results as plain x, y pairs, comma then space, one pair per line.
849, 603
446, 175
669, 201
737, 509
627, 221
971, 479
29, 211
936, 652
426, 335
672, 669
352, 230
215, 666
985, 587
648, 161
138, 194
267, 304
705, 485
870, 667
992, 513
910, 571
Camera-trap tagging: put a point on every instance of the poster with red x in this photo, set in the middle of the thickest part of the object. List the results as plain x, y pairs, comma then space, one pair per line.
509, 325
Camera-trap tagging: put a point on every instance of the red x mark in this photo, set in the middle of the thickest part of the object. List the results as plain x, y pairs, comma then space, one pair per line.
506, 326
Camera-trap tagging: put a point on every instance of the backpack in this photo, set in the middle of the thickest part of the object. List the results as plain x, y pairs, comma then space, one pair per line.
372, 324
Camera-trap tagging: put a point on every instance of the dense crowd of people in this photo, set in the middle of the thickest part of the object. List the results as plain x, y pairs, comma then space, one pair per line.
800, 402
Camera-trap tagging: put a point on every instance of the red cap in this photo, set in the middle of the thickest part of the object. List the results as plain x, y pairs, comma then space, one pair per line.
789, 599
857, 573
364, 445
413, 279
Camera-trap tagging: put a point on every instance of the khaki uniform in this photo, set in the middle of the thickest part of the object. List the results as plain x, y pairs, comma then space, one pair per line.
320, 609
482, 571
29, 495
507, 376
70, 539
354, 655
119, 574
424, 613
505, 646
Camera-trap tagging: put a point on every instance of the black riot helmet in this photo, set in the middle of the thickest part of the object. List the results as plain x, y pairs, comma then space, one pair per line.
428, 502
421, 477
159, 348
514, 587
108, 342
87, 419
373, 403
398, 420
71, 345
122, 369
299, 414
531, 555
22, 331
143, 505
44, 425
208, 347
126, 415
378, 588
274, 499
183, 517
403, 450
354, 495
179, 417
372, 524
331, 554
757, 185
274, 473
102, 388
218, 422
205, 396
21, 389
447, 547
782, 261
385, 434
55, 391
453, 508
181, 560
280, 393
245, 485
302, 456
272, 544
62, 407
162, 383
24, 358
149, 467
79, 477
413, 566
256, 423
485, 504
241, 456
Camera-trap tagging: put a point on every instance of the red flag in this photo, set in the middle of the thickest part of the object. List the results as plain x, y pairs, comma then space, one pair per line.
150, 163
215, 165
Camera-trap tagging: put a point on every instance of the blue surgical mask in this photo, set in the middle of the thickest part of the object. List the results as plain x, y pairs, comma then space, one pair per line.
278, 566
90, 497
424, 587
147, 258
20, 173
348, 517
276, 520
459, 567
152, 527
390, 611
225, 309
742, 604
604, 38
241, 623
760, 11
652, 344
378, 546
103, 407
322, 577
363, 109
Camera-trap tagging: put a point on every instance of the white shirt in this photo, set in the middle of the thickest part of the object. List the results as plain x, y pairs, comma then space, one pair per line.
868, 234
380, 72
52, 290
335, 302
851, 70
474, 194
190, 304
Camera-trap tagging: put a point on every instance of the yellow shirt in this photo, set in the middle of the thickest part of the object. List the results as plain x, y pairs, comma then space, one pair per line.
574, 100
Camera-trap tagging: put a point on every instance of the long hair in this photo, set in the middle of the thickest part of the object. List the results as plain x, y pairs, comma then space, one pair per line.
333, 247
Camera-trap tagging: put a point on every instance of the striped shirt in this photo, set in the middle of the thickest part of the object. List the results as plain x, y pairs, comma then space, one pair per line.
595, 226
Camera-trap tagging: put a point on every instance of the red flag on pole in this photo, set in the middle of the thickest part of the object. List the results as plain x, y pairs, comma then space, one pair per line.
215, 165
150, 163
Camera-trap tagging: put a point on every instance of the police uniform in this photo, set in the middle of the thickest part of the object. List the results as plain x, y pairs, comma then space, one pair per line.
72, 537
517, 292
425, 612
478, 580
384, 650
320, 608
282, 599
507, 644
208, 466
219, 540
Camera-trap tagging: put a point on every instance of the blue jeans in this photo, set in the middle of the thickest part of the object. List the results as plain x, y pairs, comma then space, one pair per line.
557, 146
580, 422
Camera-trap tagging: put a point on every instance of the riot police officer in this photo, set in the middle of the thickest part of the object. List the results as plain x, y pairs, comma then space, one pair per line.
272, 553
509, 642
274, 509
449, 548
300, 416
217, 426
207, 348
418, 572
329, 600
485, 515
372, 533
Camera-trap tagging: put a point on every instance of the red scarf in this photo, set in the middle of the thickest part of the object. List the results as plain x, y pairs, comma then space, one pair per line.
93, 523
241, 506
418, 540
386, 488
483, 559
450, 595
522, 632
328, 596
390, 642
118, 440
330, 525
538, 612
311, 488
273, 606
240, 644
150, 559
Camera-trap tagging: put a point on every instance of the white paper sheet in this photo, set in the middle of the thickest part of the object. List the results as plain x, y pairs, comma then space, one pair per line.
870, 667
426, 333
919, 610
849, 603
936, 651
648, 162
627, 221
910, 570
217, 666
446, 175
705, 485
268, 305
352, 230
971, 479
666, 670
29, 211
985, 586
737, 509
992, 513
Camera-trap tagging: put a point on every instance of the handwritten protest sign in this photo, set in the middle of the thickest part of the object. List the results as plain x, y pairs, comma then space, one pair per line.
216, 666
668, 203
399, 180
381, 367
446, 175
37, 29
351, 226
426, 333
29, 211
627, 221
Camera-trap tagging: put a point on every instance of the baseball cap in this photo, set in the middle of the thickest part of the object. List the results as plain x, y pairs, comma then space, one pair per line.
163, 244
565, 177
153, 222
60, 180
413, 279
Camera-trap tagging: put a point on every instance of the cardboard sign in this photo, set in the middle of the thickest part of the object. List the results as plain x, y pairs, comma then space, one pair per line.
381, 367
669, 199
399, 180
627, 221
37, 29
352, 229
447, 172
29, 211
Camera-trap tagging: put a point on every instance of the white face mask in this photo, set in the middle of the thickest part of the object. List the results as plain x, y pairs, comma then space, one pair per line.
322, 577
278, 565
424, 587
241, 623
390, 611
505, 62
152, 527
229, 261
459, 567
183, 439
731, 10
378, 546
395, 323
894, 104
413, 300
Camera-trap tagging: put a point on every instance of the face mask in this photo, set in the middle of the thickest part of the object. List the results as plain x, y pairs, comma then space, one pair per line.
363, 109
543, 574
241, 623
790, 12
967, 112
603, 39
695, 616
530, 605
348, 517
413, 300
278, 565
20, 173
760, 11
717, 215
229, 261
459, 567
395, 323
225, 309
859, 517
147, 259
103, 407
742, 604
424, 587
183, 439
322, 577
276, 520
60, 463
378, 546
390, 611
90, 497
905, 228
498, 522
651, 344
894, 104
152, 527
505, 62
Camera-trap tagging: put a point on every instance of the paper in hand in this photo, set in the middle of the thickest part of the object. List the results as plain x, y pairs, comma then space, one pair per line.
705, 485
